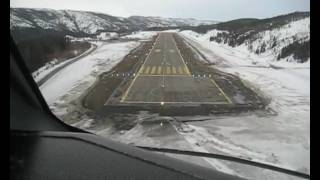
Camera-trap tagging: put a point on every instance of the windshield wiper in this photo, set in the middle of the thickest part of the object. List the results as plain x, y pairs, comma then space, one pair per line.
229, 158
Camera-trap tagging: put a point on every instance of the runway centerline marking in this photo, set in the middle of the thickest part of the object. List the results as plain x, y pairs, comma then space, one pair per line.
164, 70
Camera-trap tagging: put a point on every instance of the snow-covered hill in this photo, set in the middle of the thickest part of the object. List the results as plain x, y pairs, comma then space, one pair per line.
66, 20
153, 21
89, 22
285, 38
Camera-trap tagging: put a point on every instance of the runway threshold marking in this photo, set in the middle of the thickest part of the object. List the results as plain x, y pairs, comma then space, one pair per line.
156, 70
224, 95
140, 70
180, 70
186, 70
147, 70
174, 70
168, 70
159, 75
153, 70
186, 67
159, 69
182, 74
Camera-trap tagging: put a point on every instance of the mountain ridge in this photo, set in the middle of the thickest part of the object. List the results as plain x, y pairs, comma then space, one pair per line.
90, 23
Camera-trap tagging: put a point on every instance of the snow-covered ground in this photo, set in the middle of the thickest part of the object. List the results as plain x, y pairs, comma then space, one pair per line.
283, 138
107, 35
172, 30
52, 65
143, 35
85, 70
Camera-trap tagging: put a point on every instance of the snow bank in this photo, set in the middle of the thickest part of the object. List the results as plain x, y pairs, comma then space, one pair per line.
73, 39
141, 35
171, 30
46, 69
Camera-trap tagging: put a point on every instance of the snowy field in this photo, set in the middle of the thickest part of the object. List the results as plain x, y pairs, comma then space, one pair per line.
85, 70
283, 138
52, 65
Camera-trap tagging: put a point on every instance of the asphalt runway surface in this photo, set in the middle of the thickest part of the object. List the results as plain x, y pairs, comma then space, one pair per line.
164, 78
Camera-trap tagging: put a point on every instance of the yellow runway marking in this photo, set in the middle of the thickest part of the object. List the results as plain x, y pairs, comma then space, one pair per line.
159, 69
174, 70
224, 95
185, 65
175, 102
153, 70
147, 70
139, 72
180, 70
168, 70
160, 75
186, 70
141, 69
183, 71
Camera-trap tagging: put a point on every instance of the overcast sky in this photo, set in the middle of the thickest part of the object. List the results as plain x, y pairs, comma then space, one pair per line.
220, 10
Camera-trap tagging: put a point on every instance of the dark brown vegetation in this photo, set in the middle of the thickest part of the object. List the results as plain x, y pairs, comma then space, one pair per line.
299, 50
40, 47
